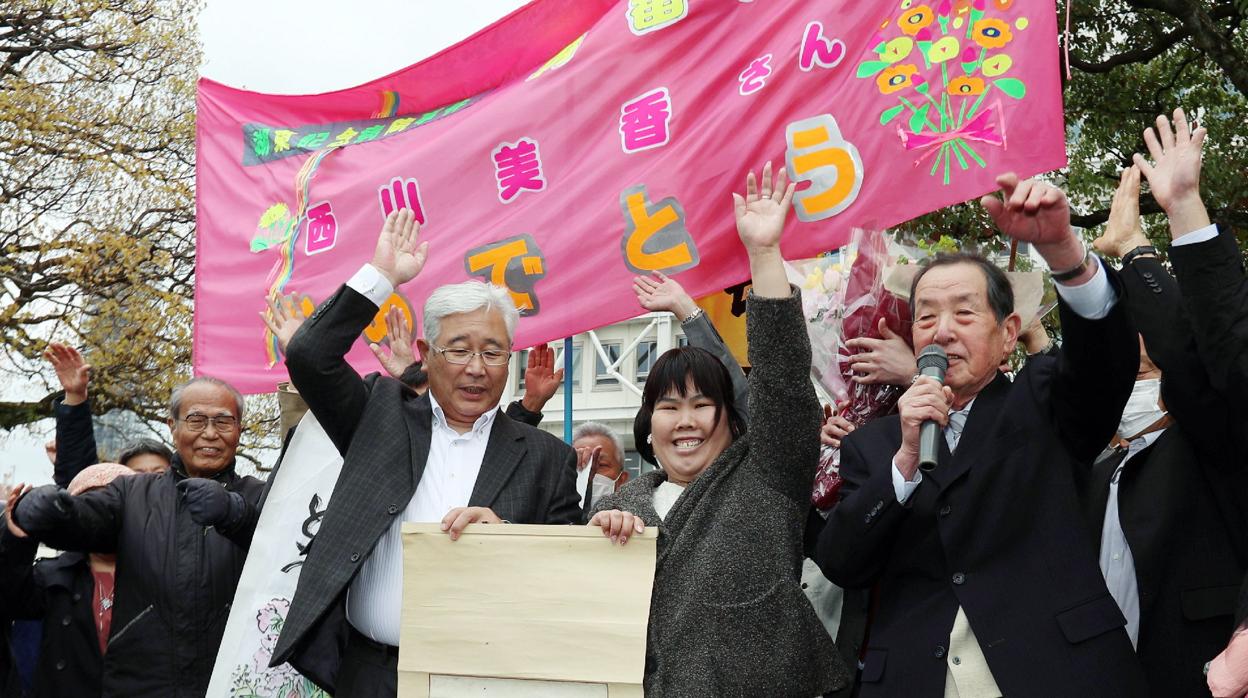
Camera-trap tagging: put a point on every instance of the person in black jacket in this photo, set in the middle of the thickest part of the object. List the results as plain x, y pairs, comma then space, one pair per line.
180, 540
987, 581
72, 594
1167, 502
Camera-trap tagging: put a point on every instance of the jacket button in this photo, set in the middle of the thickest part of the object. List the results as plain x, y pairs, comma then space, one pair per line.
355, 557
60, 664
959, 578
65, 621
77, 596
940, 652
1148, 274
945, 510
805, 585
392, 510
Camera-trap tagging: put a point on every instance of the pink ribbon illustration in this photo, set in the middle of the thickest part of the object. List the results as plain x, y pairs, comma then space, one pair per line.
988, 127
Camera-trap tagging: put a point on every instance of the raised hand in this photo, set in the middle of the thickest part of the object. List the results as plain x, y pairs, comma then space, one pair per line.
283, 318
760, 213
401, 355
1174, 174
888, 360
587, 456
71, 371
399, 255
1123, 232
660, 292
1035, 212
541, 380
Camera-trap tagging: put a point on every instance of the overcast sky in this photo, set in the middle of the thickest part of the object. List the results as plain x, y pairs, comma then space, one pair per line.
311, 46
297, 47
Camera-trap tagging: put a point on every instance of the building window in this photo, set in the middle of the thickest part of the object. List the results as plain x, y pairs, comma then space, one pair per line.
647, 352
576, 364
682, 340
601, 377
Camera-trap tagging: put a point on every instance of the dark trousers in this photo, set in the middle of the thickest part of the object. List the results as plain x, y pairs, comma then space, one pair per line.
369, 669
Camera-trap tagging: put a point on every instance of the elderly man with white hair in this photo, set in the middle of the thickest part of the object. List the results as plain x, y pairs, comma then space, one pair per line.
600, 460
449, 455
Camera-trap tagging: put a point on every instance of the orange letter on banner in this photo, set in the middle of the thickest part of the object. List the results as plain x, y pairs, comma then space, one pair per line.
515, 264
655, 237
377, 330
818, 154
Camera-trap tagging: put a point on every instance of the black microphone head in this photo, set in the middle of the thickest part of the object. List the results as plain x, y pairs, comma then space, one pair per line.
932, 356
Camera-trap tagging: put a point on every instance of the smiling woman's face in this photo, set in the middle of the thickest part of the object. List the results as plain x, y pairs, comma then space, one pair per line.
687, 434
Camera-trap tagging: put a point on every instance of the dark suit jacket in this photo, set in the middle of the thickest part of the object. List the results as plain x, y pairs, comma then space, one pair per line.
996, 529
1180, 502
727, 615
383, 431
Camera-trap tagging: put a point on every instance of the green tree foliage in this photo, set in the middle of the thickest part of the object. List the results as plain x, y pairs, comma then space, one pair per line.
1131, 60
97, 202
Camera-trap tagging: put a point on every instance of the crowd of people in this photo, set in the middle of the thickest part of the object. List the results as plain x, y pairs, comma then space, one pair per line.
1080, 528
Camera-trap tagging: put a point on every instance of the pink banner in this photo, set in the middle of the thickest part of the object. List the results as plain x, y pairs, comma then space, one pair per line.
576, 143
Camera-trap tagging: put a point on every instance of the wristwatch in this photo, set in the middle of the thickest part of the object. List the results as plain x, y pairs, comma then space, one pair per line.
1074, 273
1142, 249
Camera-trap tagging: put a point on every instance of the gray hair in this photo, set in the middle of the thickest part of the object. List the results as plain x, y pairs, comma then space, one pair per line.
175, 400
600, 429
467, 297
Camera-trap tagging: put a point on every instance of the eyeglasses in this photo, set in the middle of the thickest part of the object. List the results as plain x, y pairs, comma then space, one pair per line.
490, 357
199, 422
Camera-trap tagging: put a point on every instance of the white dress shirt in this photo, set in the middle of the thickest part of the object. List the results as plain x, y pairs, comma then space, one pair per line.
1117, 562
375, 596
1204, 234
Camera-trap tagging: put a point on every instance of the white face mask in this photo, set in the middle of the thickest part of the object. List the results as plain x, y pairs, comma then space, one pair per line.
603, 486
1142, 410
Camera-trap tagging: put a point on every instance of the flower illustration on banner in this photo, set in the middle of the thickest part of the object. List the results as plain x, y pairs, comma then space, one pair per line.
256, 679
951, 87
896, 78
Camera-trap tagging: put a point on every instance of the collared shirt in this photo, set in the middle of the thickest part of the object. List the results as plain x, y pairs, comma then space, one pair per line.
1117, 563
375, 597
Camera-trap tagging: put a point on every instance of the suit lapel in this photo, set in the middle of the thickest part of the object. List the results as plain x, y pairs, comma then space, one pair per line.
419, 418
502, 454
978, 430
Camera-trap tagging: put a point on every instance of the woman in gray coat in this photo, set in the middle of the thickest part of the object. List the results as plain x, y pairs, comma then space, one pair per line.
727, 616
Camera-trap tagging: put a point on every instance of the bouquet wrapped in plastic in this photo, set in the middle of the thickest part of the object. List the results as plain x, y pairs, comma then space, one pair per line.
843, 297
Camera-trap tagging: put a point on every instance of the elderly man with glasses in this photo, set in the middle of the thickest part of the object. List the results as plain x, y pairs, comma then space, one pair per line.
180, 538
449, 455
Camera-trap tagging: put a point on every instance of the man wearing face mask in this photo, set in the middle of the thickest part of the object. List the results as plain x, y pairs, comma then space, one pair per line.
599, 462
1165, 498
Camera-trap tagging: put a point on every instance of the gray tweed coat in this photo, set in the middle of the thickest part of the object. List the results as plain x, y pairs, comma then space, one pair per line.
728, 617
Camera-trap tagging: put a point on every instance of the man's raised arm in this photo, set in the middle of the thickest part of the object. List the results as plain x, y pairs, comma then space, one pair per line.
316, 356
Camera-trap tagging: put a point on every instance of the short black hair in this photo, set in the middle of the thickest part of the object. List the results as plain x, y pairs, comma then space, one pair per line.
1000, 292
414, 376
141, 447
670, 373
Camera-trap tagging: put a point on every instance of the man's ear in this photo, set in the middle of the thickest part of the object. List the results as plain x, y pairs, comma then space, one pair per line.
423, 347
1013, 328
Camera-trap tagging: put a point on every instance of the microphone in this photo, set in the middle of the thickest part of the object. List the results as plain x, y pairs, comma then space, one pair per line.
932, 361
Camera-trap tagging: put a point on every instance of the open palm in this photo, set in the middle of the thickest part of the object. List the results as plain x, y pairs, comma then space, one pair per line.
760, 213
399, 255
